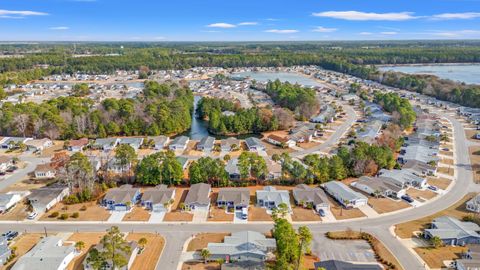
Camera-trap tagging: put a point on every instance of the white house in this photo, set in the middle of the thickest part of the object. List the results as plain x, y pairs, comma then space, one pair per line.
344, 195
39, 145
5, 163
281, 141
10, 199
473, 204
44, 171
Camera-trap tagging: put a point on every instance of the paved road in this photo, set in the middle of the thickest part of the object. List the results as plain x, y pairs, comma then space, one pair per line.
176, 234
31, 164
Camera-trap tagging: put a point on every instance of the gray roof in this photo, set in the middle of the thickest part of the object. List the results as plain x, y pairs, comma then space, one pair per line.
341, 265
381, 184
254, 142
228, 142
47, 254
39, 198
160, 140
106, 142
240, 196
232, 166
121, 194
308, 194
271, 194
343, 191
134, 142
404, 176
243, 242
199, 194
447, 227
206, 142
475, 200
158, 195
6, 198
181, 140
418, 166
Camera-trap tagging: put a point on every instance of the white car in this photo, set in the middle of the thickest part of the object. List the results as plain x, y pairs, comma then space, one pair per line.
32, 215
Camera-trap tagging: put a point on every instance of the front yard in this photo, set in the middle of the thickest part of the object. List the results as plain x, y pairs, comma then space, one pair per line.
341, 213
179, 216
304, 214
137, 213
441, 183
18, 212
219, 215
148, 259
386, 205
201, 240
258, 214
421, 195
89, 211
90, 239
475, 161
23, 244
434, 257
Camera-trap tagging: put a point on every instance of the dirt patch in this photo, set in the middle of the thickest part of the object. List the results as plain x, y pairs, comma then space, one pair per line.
421, 194
470, 134
57, 146
406, 230
475, 161
341, 213
23, 243
150, 255
446, 170
90, 239
178, 216
386, 205
201, 240
446, 153
219, 215
308, 262
18, 212
258, 214
441, 183
137, 214
200, 266
304, 214
447, 161
89, 211
180, 195
434, 257
25, 184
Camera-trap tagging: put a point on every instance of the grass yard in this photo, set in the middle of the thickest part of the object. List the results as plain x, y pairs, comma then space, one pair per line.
386, 205
258, 214
92, 212
90, 239
470, 134
341, 213
434, 257
441, 183
179, 216
151, 254
406, 230
218, 215
308, 262
201, 240
304, 214
137, 214
23, 243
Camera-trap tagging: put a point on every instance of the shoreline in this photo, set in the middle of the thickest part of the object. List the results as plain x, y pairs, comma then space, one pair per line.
430, 64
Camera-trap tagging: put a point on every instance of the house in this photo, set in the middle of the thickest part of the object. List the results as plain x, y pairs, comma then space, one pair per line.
158, 199
5, 163
420, 167
326, 115
404, 177
232, 169
106, 144
243, 246
198, 197
121, 198
344, 195
229, 143
369, 133
348, 97
179, 143
380, 186
129, 257
183, 162
342, 265
254, 144
274, 169
135, 143
236, 198
43, 199
44, 171
316, 197
280, 141
206, 144
271, 198
10, 199
77, 145
12, 142
5, 251
39, 145
49, 253
160, 142
473, 204
303, 133
453, 231
470, 260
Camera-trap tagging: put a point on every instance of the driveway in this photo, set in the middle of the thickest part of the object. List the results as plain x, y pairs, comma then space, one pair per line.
238, 217
200, 216
156, 217
117, 216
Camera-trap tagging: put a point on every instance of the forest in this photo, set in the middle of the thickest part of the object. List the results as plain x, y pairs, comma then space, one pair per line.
161, 109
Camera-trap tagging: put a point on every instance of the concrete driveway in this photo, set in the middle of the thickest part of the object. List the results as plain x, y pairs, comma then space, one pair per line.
156, 217
117, 216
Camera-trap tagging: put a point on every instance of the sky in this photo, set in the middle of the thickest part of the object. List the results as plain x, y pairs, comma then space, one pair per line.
237, 20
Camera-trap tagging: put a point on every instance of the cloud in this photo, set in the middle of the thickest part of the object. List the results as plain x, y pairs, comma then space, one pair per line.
11, 17
282, 31
365, 33
366, 16
59, 28
456, 16
20, 13
159, 38
221, 25
390, 33
322, 29
457, 34
247, 23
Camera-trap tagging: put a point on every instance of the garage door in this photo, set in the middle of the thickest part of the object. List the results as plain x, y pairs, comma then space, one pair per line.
120, 208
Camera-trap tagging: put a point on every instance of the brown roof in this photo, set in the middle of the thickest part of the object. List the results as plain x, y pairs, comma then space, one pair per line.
278, 138
44, 168
79, 142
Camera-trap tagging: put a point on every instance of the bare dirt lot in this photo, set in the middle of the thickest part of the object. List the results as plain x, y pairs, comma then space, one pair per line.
421, 194
138, 213
258, 214
24, 243
304, 214
385, 205
201, 240
446, 170
219, 215
475, 161
92, 212
178, 216
406, 230
90, 239
470, 134
434, 257
150, 255
440, 182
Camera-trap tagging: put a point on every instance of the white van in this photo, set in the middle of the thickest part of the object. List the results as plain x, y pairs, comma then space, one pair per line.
244, 213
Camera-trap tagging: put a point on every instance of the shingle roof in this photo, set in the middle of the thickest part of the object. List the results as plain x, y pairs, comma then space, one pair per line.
198, 193
235, 195
122, 194
47, 254
307, 194
447, 227
158, 195
243, 242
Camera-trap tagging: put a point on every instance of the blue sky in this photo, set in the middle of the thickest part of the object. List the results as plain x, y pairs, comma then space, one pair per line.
237, 20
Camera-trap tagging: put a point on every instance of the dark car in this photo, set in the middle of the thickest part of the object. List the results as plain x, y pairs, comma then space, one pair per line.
434, 188
321, 212
10, 235
407, 198
12, 169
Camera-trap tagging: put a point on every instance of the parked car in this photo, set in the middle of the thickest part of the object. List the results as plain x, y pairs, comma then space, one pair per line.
321, 212
12, 169
32, 215
244, 213
446, 149
407, 198
11, 235
434, 188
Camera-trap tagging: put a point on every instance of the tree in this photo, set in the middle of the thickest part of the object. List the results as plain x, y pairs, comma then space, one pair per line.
305, 237
78, 172
287, 244
280, 211
436, 242
79, 245
125, 156
115, 247
142, 242
205, 253
159, 168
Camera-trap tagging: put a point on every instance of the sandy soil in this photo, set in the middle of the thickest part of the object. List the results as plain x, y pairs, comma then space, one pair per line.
150, 255
258, 214
94, 212
304, 214
178, 216
218, 214
441, 183
201, 240
385, 205
90, 239
434, 257
138, 213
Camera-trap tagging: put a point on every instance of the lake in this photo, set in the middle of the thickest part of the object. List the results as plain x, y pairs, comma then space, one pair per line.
282, 76
467, 73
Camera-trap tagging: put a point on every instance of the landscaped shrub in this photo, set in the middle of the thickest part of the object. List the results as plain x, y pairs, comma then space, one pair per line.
75, 215
63, 216
83, 208
54, 215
